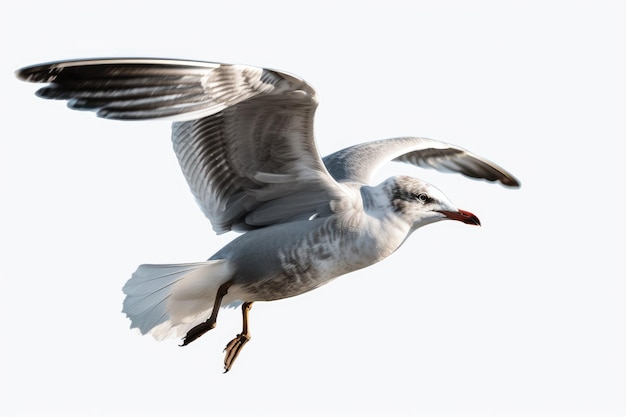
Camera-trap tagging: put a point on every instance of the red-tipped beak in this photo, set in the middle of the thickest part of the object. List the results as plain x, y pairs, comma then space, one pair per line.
462, 216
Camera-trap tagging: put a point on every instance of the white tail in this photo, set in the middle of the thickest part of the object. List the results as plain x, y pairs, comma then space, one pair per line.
168, 300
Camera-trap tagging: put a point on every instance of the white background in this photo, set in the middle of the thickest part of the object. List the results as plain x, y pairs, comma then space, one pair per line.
524, 316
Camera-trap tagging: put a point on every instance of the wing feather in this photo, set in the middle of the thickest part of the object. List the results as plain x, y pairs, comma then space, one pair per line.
243, 135
360, 162
137, 89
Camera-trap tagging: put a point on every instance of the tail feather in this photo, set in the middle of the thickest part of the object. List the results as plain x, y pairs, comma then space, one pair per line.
167, 300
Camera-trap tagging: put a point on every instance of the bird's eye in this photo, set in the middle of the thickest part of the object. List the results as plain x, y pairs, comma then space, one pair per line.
422, 198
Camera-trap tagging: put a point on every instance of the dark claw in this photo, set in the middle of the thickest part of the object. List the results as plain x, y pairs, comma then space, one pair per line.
232, 350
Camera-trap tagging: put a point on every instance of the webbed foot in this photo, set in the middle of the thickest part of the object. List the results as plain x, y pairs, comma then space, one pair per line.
232, 350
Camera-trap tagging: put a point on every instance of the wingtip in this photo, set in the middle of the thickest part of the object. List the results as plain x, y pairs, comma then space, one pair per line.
23, 74
39, 73
510, 182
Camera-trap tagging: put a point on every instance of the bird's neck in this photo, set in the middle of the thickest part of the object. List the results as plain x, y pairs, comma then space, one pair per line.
382, 227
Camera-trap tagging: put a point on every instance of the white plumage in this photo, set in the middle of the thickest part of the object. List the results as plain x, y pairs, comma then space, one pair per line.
244, 139
168, 300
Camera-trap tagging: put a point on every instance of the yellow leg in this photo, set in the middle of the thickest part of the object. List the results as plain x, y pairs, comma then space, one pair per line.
234, 346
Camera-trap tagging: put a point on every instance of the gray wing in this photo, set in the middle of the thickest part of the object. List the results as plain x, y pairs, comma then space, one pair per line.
360, 162
243, 135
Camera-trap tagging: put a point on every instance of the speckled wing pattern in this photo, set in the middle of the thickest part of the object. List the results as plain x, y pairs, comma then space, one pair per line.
243, 135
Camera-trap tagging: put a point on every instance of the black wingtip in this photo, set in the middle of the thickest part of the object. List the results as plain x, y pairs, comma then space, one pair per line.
24, 74
40, 73
510, 182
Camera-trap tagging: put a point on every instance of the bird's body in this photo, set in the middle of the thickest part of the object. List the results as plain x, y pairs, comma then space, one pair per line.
244, 139
310, 253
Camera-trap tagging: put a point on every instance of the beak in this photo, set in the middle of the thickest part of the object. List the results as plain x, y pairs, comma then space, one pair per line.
462, 216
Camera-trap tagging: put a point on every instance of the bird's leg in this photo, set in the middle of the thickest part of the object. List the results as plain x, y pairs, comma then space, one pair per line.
234, 346
202, 328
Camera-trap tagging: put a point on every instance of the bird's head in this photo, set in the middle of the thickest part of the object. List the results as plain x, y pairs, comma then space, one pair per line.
419, 203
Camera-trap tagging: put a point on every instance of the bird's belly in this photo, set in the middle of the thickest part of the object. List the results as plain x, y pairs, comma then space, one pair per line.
313, 261
295, 279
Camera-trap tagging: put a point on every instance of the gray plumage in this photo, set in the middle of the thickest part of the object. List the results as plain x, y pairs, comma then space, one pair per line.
244, 140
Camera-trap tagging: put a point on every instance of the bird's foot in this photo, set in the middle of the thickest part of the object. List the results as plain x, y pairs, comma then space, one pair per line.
232, 350
198, 331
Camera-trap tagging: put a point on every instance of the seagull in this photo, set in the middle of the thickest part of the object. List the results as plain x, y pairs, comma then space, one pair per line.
243, 136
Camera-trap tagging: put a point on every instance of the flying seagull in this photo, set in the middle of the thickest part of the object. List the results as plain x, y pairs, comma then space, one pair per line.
244, 138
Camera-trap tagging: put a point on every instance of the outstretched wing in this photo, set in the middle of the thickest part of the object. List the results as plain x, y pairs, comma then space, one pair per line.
243, 135
360, 162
